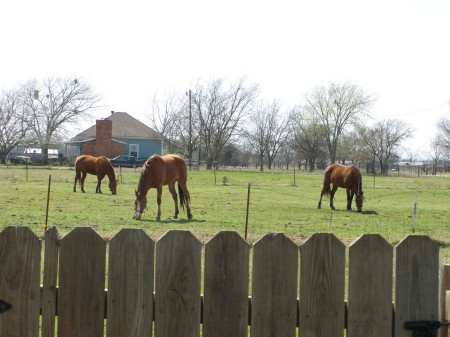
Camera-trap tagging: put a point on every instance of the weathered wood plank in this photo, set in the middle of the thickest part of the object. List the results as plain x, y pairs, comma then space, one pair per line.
416, 282
274, 286
20, 256
322, 286
444, 307
130, 284
225, 304
49, 282
177, 288
81, 297
370, 287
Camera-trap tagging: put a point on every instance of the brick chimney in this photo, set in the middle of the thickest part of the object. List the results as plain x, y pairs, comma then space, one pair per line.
103, 137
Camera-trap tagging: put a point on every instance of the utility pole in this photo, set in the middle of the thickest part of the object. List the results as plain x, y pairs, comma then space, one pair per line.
190, 132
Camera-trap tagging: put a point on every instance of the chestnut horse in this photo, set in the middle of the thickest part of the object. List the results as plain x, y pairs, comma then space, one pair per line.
348, 177
99, 166
156, 172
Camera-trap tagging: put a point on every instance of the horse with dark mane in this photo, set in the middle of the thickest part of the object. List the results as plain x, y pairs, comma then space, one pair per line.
156, 172
348, 177
99, 166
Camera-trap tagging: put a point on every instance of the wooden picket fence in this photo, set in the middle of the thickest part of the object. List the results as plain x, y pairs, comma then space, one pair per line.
155, 288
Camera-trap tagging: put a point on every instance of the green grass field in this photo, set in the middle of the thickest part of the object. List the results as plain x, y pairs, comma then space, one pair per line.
279, 202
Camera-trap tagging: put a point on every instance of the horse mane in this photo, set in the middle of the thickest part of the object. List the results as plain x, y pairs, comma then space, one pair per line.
109, 168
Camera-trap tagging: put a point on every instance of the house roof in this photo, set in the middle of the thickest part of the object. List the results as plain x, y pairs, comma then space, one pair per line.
123, 126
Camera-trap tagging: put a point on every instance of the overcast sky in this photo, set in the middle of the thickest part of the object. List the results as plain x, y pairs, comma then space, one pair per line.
398, 50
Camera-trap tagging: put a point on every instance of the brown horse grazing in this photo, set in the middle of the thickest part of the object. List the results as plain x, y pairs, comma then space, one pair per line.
348, 177
99, 166
156, 172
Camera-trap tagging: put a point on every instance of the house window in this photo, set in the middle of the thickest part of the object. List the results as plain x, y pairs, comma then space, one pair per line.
134, 150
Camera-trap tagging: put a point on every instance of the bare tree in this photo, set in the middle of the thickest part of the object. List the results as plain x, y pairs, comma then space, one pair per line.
278, 131
13, 122
384, 139
266, 131
165, 115
56, 103
308, 134
220, 111
338, 107
438, 147
444, 131
170, 117
257, 133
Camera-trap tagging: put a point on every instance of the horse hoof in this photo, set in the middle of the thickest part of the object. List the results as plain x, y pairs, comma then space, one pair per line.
175, 216
158, 218
189, 216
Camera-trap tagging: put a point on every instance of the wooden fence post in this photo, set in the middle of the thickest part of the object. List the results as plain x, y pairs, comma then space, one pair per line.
20, 257
274, 286
81, 296
416, 282
130, 284
445, 299
370, 287
177, 287
225, 308
49, 282
322, 286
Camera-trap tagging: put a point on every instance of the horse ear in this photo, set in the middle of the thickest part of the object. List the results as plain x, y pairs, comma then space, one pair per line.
136, 193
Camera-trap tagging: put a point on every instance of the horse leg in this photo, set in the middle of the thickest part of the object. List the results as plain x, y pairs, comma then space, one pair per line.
174, 196
83, 177
350, 194
158, 201
75, 183
320, 200
333, 191
99, 183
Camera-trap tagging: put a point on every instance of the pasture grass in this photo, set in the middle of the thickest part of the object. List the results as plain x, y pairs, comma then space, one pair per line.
279, 202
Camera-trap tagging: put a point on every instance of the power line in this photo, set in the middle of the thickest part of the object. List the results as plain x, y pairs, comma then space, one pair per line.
411, 112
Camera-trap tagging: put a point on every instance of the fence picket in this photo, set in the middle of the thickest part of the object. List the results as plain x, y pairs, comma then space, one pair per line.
81, 297
130, 284
444, 306
177, 287
225, 308
322, 286
20, 256
49, 282
416, 282
274, 286
370, 287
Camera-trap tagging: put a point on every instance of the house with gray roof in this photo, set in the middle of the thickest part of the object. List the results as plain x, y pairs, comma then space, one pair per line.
119, 134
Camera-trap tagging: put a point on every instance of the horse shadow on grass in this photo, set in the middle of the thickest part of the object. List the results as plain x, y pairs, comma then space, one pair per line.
172, 220
363, 212
370, 212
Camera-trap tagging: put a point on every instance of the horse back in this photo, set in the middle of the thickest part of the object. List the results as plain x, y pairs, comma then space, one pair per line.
343, 176
94, 165
163, 170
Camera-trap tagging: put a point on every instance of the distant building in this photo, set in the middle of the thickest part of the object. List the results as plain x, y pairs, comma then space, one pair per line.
118, 134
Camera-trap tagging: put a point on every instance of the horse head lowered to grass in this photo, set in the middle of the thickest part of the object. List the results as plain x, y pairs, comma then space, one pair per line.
348, 177
156, 172
99, 166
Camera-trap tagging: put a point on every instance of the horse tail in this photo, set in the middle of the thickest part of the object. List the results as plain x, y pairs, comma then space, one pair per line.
182, 198
326, 190
359, 183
